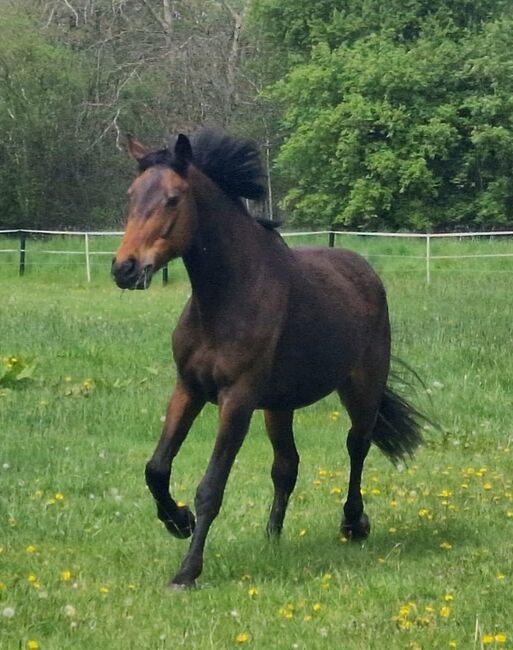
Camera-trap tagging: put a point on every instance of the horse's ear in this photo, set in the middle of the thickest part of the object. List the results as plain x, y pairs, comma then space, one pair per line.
183, 151
137, 149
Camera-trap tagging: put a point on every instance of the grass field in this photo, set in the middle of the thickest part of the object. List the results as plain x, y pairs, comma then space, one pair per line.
84, 561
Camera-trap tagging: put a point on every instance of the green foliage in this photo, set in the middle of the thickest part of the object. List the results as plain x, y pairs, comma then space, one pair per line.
396, 116
49, 172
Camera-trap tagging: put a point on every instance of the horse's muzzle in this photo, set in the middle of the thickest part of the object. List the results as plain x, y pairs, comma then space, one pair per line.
131, 275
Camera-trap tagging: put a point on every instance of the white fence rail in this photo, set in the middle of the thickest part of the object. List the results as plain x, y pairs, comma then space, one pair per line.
333, 236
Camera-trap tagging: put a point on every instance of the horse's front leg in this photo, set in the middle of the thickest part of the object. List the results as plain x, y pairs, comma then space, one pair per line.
181, 412
235, 412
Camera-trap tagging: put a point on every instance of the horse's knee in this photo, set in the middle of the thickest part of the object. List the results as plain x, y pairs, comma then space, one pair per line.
156, 479
208, 501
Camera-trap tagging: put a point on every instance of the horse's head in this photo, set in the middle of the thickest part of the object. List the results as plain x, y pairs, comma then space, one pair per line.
161, 217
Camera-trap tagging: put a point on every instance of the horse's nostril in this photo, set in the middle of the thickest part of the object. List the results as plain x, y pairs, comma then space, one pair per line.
125, 272
129, 265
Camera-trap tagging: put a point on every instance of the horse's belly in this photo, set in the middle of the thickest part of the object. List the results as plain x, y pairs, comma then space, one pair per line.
293, 387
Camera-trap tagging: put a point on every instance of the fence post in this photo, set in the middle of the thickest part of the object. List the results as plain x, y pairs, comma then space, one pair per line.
23, 248
428, 259
331, 239
88, 261
165, 275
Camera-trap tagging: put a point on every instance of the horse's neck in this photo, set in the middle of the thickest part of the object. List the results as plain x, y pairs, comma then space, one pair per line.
228, 257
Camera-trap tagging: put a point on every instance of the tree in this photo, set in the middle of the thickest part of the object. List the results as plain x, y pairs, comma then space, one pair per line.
395, 116
41, 169
79, 74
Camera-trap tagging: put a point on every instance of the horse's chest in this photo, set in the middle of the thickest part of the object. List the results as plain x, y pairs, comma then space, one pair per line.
207, 370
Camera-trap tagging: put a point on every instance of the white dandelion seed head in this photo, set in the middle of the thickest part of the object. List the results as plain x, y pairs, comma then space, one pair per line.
69, 611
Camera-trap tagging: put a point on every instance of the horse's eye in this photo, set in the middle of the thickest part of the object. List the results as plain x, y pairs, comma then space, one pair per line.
172, 202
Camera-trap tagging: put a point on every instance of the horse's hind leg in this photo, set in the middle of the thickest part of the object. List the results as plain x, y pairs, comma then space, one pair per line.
181, 412
362, 403
285, 465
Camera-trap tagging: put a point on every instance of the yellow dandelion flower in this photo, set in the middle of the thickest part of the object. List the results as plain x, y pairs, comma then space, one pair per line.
336, 490
181, 504
487, 639
243, 637
500, 638
445, 494
500, 576
65, 575
425, 513
445, 612
487, 486
104, 590
316, 607
445, 546
252, 592
334, 416
32, 578
448, 597
376, 491
404, 610
32, 645
393, 503
30, 549
59, 496
453, 644
509, 514
287, 611
323, 472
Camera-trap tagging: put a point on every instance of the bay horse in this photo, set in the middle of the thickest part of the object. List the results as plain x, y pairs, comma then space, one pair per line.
266, 327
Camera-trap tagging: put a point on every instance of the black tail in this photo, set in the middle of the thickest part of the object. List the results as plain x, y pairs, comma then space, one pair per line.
397, 431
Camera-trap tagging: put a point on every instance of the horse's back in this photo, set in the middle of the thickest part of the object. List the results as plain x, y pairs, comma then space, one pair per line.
341, 270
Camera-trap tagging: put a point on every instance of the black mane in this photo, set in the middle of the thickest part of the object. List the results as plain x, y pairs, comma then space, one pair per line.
232, 163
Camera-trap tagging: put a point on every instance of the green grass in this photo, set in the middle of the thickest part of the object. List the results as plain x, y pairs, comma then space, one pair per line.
77, 519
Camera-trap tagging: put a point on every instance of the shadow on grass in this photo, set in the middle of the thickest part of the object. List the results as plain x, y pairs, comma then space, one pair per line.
321, 551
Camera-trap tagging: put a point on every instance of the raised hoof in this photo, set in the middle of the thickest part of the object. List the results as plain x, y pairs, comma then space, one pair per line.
356, 530
182, 526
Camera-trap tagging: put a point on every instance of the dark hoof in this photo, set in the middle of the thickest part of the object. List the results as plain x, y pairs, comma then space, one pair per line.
182, 526
356, 530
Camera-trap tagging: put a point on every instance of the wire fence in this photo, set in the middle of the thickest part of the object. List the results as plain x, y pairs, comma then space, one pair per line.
35, 250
